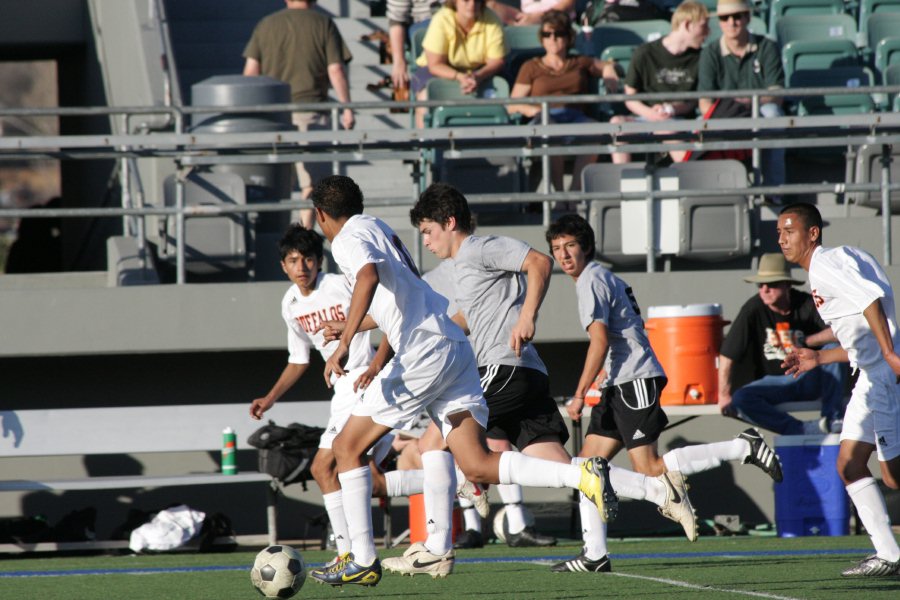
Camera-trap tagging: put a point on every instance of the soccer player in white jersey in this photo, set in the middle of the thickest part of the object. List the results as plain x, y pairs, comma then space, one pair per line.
629, 414
854, 297
313, 298
433, 369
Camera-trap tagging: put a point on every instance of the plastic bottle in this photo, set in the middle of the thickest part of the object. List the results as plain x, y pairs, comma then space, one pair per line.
229, 451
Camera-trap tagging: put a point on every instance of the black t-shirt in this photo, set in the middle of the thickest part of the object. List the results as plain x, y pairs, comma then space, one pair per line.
655, 69
760, 336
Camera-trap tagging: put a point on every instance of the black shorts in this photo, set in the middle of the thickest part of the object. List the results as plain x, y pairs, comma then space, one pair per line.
630, 412
520, 408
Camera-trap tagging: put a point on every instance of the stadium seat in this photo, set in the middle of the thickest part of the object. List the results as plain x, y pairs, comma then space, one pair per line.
836, 104
627, 33
868, 8
522, 44
881, 26
784, 8
887, 53
620, 54
454, 116
868, 170
815, 27
474, 175
818, 54
711, 228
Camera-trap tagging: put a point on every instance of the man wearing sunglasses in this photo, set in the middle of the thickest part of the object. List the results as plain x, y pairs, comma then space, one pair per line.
775, 322
741, 60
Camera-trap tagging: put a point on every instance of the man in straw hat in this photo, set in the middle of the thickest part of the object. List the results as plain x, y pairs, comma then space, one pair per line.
776, 321
741, 60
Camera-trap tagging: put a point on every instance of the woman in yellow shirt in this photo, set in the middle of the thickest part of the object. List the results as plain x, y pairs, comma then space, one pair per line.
464, 42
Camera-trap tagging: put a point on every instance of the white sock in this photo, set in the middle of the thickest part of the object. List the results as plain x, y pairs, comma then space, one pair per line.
703, 457
404, 482
471, 518
440, 490
593, 529
536, 472
874, 516
334, 506
511, 494
356, 486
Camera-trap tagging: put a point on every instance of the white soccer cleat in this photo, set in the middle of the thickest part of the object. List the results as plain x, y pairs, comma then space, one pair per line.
474, 493
677, 506
417, 559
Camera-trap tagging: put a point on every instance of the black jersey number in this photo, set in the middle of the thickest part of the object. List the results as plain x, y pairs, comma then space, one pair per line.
634, 304
404, 254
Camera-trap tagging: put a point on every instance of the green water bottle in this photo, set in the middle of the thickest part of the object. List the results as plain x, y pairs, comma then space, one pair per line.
229, 451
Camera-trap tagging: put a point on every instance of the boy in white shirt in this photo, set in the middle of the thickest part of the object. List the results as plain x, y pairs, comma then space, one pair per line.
854, 297
433, 369
313, 298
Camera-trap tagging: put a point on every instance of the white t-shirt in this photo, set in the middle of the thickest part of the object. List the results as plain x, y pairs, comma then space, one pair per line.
303, 314
844, 281
403, 303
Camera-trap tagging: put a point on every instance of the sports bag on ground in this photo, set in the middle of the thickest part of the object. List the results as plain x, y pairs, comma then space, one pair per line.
286, 453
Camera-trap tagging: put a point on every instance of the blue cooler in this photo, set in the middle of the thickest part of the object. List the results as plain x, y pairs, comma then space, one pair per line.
811, 500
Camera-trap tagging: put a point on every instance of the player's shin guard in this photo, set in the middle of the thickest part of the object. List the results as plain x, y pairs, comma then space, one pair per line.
874, 516
440, 491
356, 486
334, 506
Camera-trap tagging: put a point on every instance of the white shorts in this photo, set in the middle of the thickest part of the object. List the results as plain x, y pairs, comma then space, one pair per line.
439, 377
873, 414
342, 404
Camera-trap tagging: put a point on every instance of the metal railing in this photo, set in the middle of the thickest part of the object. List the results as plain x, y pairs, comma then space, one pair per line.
190, 150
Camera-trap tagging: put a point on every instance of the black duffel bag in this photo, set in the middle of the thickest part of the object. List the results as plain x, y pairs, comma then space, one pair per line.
286, 453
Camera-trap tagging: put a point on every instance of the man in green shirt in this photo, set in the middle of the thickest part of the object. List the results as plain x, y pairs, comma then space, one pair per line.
740, 60
303, 47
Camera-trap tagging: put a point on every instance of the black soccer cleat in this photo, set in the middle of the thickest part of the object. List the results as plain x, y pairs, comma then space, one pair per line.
582, 564
469, 539
761, 455
528, 538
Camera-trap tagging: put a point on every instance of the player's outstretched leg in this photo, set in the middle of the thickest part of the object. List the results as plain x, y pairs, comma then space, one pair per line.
677, 505
596, 486
418, 560
761, 455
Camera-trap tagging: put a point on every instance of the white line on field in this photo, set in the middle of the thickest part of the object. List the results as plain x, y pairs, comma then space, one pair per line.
694, 586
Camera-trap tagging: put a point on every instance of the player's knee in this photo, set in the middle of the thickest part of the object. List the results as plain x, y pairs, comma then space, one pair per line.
849, 469
323, 468
476, 471
890, 481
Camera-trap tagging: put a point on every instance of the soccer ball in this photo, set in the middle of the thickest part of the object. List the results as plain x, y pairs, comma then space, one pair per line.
501, 523
278, 572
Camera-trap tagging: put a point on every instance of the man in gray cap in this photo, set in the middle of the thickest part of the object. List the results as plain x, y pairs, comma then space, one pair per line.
771, 324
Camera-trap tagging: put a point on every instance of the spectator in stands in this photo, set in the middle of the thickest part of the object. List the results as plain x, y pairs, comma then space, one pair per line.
464, 43
529, 11
668, 64
404, 18
303, 47
775, 322
740, 60
558, 74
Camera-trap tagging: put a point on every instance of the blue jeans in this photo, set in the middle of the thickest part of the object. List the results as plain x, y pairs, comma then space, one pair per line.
755, 402
772, 159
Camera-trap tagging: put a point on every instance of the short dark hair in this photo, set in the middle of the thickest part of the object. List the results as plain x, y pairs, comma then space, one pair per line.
305, 241
807, 212
578, 228
558, 21
440, 202
338, 196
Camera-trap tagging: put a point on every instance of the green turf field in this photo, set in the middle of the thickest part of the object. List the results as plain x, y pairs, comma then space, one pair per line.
737, 567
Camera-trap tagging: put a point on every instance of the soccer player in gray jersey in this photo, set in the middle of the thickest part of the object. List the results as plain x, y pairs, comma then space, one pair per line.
499, 310
442, 280
632, 379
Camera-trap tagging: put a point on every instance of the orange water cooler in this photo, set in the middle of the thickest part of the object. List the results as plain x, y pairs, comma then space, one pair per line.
418, 531
686, 341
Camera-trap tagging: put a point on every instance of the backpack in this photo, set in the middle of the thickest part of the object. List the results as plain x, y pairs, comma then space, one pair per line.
286, 453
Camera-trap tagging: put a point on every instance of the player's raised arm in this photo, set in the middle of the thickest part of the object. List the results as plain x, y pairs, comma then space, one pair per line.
593, 363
